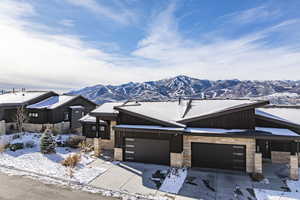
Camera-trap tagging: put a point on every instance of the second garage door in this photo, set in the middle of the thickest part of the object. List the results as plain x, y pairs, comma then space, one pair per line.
147, 151
220, 156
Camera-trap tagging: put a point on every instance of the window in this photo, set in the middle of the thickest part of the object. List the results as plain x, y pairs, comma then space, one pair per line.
33, 115
102, 128
66, 116
93, 128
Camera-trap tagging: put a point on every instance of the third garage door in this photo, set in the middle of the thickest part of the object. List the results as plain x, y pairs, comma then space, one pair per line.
147, 151
220, 156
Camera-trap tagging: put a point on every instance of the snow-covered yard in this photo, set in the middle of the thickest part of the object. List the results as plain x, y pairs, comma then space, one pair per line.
30, 159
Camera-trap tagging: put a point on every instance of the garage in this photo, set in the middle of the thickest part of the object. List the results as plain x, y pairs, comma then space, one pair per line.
220, 156
147, 150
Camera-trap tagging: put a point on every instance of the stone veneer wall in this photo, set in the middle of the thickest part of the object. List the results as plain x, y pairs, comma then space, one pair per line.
2, 128
294, 171
118, 154
249, 142
176, 159
258, 163
62, 127
109, 144
280, 157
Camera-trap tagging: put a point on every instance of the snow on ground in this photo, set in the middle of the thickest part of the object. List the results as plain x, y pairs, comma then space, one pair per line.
262, 194
30, 159
294, 185
174, 181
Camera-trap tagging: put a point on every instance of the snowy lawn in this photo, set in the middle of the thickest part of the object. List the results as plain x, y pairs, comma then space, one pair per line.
30, 159
275, 195
174, 181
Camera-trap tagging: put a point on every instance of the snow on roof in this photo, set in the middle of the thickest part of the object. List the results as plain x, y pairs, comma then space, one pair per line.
291, 115
89, 118
107, 107
52, 102
205, 107
172, 112
278, 131
19, 97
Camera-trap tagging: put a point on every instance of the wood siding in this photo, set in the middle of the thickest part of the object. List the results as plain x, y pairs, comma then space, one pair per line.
89, 131
176, 141
124, 118
238, 120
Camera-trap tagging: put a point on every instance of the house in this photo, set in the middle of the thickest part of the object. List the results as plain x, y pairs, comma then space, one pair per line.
61, 111
223, 134
43, 108
10, 101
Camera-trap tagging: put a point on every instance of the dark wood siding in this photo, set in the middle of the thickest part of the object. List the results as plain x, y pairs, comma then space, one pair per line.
176, 141
42, 118
238, 120
89, 131
124, 118
10, 115
57, 115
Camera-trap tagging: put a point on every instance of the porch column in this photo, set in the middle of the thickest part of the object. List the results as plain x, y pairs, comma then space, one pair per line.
294, 163
258, 161
176, 160
118, 154
97, 147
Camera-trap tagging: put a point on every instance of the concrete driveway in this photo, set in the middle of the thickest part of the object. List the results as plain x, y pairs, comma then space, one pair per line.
200, 183
18, 188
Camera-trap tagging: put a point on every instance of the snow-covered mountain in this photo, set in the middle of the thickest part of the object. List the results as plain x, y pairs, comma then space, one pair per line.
283, 92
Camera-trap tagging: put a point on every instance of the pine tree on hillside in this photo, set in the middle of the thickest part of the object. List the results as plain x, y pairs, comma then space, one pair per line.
48, 143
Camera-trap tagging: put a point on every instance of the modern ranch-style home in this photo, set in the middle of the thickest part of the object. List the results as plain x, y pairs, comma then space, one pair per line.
221, 134
41, 109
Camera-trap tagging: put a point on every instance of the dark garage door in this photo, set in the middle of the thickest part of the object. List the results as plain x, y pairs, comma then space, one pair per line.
221, 156
147, 151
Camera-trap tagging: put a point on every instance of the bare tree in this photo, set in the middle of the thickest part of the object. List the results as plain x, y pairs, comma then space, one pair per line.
21, 118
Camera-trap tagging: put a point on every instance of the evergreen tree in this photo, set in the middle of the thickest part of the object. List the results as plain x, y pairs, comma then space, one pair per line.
48, 143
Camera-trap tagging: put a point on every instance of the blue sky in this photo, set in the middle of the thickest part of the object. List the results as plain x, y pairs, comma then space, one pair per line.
75, 43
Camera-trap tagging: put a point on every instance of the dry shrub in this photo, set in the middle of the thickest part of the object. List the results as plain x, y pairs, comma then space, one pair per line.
74, 141
3, 145
72, 160
85, 147
257, 177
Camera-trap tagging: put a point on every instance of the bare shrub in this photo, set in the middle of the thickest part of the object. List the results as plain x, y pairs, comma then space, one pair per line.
74, 141
85, 147
3, 145
71, 161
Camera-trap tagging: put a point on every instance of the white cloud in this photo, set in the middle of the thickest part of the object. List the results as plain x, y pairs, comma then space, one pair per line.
246, 57
67, 22
253, 15
122, 15
37, 59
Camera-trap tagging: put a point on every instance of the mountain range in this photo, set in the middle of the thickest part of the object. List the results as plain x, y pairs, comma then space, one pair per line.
277, 91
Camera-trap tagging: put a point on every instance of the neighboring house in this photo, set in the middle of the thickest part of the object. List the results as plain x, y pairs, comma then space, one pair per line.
9, 103
61, 110
226, 134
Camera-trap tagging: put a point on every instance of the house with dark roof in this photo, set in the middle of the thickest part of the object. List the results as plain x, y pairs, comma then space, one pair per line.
224, 134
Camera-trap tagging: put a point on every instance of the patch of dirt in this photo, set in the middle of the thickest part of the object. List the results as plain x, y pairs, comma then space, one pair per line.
237, 191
